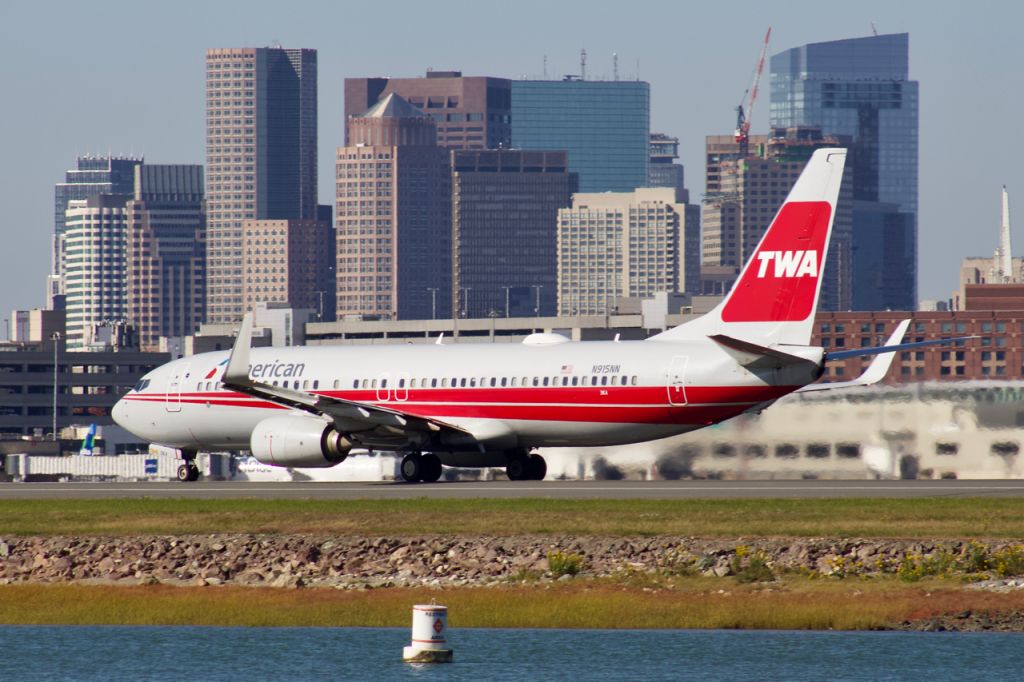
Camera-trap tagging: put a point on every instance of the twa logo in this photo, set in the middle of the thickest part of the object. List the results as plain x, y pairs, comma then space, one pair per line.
787, 263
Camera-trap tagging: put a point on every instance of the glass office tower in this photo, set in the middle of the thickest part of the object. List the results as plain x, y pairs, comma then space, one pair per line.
604, 125
860, 87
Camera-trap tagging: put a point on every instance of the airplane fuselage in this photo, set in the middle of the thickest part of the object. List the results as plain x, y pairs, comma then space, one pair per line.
511, 395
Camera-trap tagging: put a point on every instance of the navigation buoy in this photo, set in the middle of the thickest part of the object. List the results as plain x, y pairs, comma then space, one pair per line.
429, 630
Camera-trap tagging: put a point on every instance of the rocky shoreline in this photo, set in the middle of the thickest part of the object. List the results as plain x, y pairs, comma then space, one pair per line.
355, 563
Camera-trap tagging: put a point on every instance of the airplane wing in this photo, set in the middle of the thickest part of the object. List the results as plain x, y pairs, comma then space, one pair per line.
349, 416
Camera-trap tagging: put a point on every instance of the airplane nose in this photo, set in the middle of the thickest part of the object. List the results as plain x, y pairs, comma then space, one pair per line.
119, 413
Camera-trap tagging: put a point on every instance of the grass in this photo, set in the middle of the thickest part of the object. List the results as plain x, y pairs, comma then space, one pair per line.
691, 603
933, 518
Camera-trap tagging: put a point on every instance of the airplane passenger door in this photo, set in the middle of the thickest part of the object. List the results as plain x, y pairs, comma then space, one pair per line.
677, 380
173, 400
384, 387
401, 391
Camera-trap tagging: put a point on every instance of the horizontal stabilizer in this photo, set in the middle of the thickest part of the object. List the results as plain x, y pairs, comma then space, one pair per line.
754, 352
877, 350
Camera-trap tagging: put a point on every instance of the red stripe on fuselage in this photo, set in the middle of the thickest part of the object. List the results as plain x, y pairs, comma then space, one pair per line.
627, 404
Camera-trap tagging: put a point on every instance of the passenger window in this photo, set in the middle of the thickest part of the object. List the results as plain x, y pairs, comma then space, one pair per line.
355, 383
433, 383
575, 381
536, 381
545, 381
423, 382
494, 382
373, 384
316, 384
615, 381
444, 382
593, 381
565, 381
383, 383
504, 382
634, 380
462, 383
401, 383
472, 382
367, 381
604, 380
515, 381
199, 386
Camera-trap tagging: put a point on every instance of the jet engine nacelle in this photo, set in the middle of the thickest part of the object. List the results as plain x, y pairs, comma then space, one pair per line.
298, 442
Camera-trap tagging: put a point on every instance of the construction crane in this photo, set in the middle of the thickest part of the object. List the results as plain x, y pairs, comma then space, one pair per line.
749, 98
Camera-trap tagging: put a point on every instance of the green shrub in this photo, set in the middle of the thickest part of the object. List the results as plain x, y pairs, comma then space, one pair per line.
564, 563
751, 567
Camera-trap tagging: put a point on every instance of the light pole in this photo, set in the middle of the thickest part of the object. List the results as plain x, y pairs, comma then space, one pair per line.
536, 305
433, 302
465, 301
56, 344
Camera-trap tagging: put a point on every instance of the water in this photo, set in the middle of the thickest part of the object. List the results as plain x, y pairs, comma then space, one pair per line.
253, 654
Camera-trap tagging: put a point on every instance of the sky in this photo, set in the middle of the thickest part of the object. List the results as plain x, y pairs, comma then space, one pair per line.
128, 78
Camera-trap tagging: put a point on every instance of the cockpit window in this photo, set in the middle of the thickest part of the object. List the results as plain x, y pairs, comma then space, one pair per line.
141, 386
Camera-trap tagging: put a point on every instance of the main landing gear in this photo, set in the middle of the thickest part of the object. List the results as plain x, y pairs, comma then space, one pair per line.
417, 467
188, 472
526, 467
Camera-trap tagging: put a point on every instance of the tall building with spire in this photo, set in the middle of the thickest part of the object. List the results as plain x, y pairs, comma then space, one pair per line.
261, 122
393, 215
983, 277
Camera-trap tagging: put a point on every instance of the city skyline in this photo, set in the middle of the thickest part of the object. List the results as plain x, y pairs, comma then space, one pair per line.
962, 91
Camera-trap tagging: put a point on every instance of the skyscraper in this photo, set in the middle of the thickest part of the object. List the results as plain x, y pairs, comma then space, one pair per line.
393, 215
604, 125
287, 261
260, 155
624, 244
860, 88
470, 112
94, 265
504, 230
91, 176
165, 248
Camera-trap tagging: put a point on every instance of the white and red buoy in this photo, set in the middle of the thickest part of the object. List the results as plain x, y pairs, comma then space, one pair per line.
429, 635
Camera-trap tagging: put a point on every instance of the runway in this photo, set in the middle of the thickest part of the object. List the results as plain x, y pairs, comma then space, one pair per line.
566, 490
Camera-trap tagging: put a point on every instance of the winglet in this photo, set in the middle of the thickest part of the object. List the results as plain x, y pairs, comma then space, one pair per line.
237, 371
875, 372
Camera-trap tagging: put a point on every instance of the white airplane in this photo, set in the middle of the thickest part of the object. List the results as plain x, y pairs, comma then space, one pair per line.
490, 405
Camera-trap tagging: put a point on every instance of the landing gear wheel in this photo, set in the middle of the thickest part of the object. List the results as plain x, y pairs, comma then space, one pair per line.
412, 467
518, 469
188, 473
431, 469
536, 468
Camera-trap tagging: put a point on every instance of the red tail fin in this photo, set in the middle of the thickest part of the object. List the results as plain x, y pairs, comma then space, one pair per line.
774, 299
